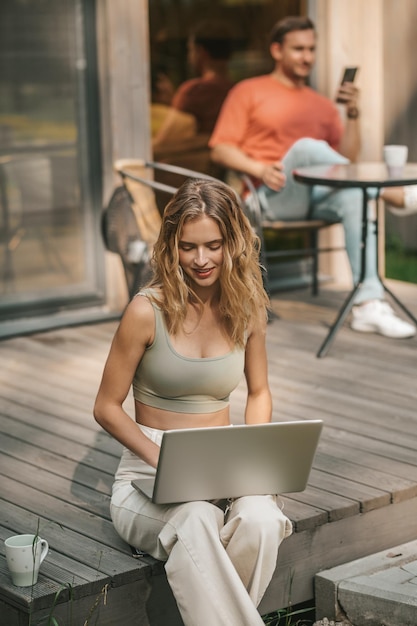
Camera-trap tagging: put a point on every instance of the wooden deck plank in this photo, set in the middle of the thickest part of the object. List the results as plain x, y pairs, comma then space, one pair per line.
304, 516
57, 465
64, 514
64, 489
333, 405
337, 507
57, 572
88, 475
399, 488
368, 498
369, 443
310, 377
87, 555
83, 430
348, 451
45, 440
38, 358
39, 388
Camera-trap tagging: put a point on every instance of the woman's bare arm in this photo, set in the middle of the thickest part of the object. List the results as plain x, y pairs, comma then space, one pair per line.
134, 334
259, 402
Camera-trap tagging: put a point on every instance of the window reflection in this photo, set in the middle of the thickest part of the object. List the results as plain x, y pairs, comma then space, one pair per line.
174, 31
41, 220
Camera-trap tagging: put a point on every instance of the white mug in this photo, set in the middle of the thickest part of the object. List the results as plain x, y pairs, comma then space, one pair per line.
24, 554
395, 158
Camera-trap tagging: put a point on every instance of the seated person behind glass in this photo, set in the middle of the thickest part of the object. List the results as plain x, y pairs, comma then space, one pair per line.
209, 50
181, 126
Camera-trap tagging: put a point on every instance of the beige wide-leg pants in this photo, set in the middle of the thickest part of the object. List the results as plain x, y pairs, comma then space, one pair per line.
218, 564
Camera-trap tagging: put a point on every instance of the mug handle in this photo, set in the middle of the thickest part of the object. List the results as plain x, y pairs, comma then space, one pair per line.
44, 549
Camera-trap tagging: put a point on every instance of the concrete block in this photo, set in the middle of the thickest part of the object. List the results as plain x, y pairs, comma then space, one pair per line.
378, 590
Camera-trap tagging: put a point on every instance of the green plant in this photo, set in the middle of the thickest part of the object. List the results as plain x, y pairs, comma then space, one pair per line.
35, 538
400, 262
51, 620
289, 616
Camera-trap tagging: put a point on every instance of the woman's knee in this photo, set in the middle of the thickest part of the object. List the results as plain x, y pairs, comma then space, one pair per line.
190, 517
261, 518
199, 511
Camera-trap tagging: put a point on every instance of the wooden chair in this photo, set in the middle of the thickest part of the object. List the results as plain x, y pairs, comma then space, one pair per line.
308, 228
132, 220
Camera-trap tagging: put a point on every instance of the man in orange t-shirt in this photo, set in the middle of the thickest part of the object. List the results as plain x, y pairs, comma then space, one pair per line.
270, 125
264, 117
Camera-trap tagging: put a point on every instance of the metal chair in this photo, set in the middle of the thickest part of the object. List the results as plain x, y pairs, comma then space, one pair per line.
131, 221
310, 228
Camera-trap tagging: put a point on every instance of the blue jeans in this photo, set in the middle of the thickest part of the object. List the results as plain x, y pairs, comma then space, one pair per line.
298, 201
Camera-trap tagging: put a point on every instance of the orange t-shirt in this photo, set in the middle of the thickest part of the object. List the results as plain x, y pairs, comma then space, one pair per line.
264, 118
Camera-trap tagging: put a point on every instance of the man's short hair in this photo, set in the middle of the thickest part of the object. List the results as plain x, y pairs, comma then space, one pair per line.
288, 25
214, 37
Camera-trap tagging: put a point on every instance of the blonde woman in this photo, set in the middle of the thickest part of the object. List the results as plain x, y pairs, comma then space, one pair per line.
184, 343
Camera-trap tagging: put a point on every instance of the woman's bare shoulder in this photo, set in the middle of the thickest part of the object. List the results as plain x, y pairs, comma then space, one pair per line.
138, 321
258, 324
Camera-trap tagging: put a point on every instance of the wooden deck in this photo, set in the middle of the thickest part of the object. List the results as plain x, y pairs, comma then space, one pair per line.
56, 464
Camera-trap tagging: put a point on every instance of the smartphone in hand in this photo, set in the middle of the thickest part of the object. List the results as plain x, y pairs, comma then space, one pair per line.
349, 74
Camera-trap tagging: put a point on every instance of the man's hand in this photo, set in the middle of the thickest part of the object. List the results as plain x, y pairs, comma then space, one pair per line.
349, 95
273, 176
232, 157
350, 144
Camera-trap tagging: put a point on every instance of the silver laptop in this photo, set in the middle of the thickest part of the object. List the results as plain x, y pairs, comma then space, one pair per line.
233, 461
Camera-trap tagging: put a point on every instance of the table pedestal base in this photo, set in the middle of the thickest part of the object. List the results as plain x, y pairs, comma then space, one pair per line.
346, 309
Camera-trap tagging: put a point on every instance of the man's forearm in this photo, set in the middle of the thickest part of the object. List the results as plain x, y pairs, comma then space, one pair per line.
233, 158
351, 141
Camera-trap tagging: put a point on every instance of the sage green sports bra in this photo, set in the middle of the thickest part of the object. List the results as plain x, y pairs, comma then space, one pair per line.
167, 380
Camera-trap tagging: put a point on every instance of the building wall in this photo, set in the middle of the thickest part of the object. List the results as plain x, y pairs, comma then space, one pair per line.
123, 59
349, 34
379, 36
400, 95
400, 85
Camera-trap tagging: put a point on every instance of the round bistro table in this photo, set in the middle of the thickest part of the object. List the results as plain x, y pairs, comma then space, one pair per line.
364, 176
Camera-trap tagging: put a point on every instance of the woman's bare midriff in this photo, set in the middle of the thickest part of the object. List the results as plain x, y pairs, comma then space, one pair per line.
166, 420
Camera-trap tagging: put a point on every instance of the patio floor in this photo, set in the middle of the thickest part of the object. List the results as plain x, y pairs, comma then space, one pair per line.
56, 464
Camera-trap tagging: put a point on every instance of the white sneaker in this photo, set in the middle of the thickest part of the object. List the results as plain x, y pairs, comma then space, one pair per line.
377, 316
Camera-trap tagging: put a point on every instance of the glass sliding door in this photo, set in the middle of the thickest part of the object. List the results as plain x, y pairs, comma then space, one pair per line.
49, 165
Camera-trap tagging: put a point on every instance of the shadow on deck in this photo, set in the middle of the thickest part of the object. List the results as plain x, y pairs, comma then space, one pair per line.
56, 465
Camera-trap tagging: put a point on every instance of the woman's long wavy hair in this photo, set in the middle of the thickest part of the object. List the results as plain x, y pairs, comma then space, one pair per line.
242, 298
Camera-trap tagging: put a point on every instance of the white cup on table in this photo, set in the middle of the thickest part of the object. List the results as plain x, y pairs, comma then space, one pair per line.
395, 157
24, 555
